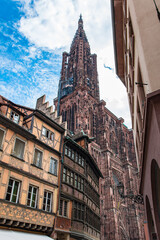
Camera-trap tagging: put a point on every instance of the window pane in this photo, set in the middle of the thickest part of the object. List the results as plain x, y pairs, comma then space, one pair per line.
69, 152
1, 136
44, 130
66, 150
64, 174
53, 166
52, 136
32, 196
38, 158
76, 159
60, 207
14, 117
65, 208
19, 148
12, 191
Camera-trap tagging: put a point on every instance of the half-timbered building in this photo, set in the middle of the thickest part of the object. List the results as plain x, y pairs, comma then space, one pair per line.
30, 153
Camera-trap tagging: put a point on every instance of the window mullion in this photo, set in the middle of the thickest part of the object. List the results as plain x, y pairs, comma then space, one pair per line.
51, 203
46, 201
36, 198
18, 192
31, 197
13, 184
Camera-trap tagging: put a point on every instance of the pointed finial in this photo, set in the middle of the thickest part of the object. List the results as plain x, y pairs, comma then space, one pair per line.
80, 22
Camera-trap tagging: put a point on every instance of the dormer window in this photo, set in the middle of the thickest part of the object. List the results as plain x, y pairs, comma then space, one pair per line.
14, 117
47, 133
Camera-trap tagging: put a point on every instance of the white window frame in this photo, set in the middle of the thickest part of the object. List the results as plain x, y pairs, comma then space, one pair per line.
50, 169
30, 185
45, 204
63, 202
35, 163
14, 112
13, 185
49, 134
2, 137
14, 147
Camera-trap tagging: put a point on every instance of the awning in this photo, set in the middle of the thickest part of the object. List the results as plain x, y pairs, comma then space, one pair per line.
15, 235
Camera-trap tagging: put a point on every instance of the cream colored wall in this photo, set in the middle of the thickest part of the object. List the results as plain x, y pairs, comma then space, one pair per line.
28, 157
37, 130
145, 23
5, 156
146, 29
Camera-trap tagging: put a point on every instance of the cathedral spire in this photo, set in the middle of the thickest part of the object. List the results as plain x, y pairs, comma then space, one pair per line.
79, 67
80, 22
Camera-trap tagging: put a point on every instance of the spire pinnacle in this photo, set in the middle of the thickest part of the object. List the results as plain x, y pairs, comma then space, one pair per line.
80, 22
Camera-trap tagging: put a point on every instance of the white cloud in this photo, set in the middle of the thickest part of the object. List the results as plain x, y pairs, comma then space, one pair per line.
52, 24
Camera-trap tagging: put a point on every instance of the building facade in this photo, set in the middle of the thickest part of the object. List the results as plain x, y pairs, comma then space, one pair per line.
30, 154
136, 44
113, 149
79, 202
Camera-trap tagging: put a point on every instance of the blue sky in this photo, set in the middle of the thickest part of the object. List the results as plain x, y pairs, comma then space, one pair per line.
33, 35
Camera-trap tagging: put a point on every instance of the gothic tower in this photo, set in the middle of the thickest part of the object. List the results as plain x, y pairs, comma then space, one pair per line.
113, 148
79, 78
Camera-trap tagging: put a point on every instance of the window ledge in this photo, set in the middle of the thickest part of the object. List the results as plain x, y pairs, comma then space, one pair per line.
64, 216
53, 174
21, 159
32, 164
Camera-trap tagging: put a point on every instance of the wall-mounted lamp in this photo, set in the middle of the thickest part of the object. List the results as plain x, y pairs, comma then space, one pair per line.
136, 198
158, 12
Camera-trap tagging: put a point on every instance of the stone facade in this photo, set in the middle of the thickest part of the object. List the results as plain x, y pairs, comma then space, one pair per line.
113, 148
137, 56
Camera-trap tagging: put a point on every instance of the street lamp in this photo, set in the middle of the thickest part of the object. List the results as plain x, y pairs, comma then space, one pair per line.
136, 198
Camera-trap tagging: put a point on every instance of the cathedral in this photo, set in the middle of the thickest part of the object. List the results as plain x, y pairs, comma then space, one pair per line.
112, 145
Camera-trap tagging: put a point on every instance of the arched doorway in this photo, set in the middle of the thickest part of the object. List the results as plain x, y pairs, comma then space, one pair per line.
155, 183
151, 227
